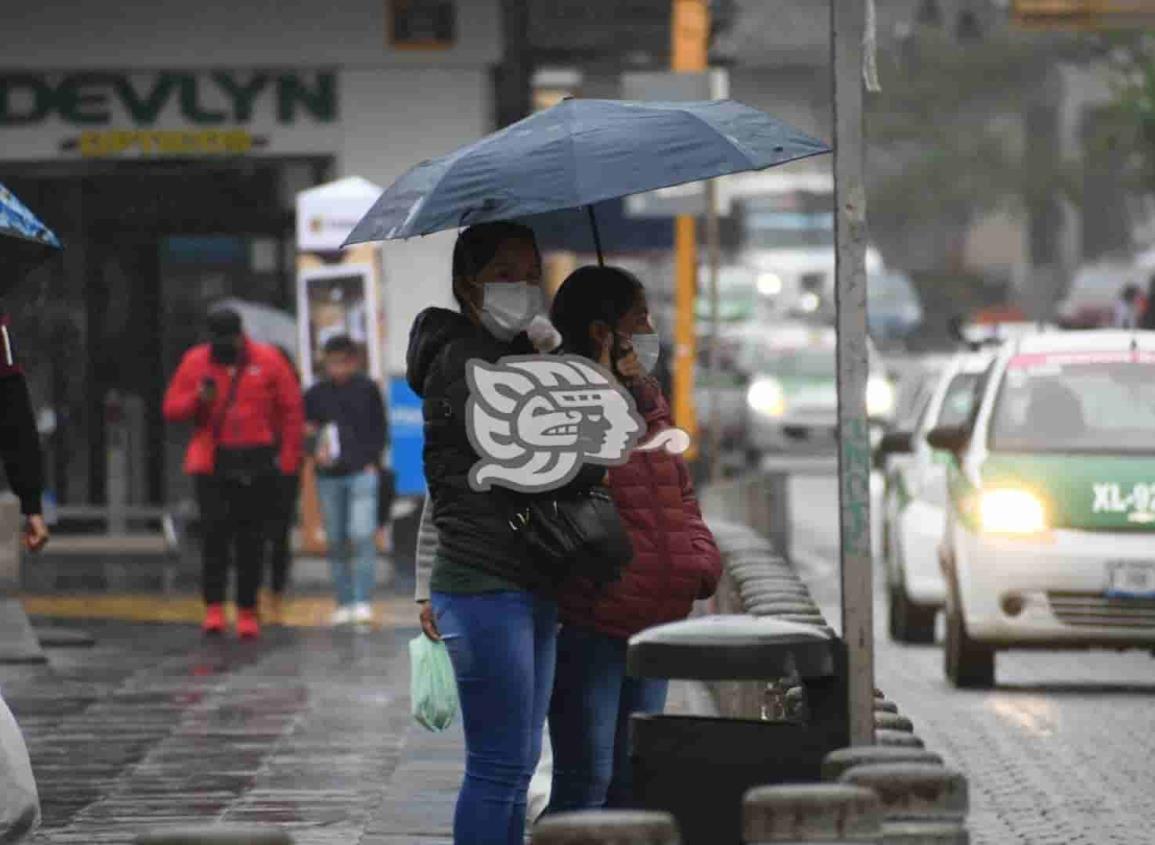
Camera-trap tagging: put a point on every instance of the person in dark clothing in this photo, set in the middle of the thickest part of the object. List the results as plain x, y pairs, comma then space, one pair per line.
602, 314
490, 602
246, 405
346, 419
1147, 320
279, 531
20, 441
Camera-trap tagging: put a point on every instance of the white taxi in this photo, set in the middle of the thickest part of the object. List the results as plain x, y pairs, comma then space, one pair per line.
914, 499
1050, 531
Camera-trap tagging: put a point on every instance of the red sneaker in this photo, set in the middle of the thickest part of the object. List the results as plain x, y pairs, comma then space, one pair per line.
214, 619
248, 625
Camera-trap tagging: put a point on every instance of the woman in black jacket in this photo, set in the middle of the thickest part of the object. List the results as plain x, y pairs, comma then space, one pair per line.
490, 602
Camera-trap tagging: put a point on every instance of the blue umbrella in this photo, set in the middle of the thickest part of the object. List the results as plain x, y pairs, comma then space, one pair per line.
24, 240
16, 221
576, 154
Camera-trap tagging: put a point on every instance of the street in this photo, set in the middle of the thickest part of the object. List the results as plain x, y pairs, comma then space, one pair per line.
1059, 752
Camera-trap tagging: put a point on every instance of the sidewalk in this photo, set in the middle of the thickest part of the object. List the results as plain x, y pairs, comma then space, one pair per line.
308, 729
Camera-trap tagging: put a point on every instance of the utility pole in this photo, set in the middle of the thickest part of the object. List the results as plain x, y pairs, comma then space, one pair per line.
690, 35
847, 28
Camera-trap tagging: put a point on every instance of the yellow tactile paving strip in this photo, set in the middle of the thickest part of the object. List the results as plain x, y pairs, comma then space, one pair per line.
299, 612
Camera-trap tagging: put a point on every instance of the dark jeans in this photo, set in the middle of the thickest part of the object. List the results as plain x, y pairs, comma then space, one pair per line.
233, 525
589, 720
280, 530
502, 649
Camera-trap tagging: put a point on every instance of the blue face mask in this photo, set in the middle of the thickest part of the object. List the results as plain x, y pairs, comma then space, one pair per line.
648, 349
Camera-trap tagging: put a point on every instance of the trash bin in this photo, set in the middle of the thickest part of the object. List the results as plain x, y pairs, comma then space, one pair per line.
699, 768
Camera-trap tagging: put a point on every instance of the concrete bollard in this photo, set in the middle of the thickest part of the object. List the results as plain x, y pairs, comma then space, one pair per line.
892, 722
607, 827
782, 607
843, 759
896, 739
922, 804
213, 834
832, 814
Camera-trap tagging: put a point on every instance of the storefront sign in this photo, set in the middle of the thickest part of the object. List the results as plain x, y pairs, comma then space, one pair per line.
179, 113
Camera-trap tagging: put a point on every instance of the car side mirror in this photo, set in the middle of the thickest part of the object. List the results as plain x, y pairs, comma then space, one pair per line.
896, 443
949, 438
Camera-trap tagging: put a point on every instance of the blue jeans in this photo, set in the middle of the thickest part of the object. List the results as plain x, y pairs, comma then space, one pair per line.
589, 720
349, 505
502, 646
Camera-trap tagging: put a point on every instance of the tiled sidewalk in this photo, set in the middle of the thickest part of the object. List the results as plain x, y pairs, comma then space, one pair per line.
307, 729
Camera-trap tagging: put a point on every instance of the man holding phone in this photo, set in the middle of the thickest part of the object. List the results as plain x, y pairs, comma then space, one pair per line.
246, 406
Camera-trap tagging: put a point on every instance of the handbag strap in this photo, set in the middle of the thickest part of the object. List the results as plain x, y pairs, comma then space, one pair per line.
230, 399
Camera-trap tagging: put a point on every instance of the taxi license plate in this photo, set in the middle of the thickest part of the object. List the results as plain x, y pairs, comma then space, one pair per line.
1126, 579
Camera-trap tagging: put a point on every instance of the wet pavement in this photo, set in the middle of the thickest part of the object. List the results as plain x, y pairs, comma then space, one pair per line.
307, 729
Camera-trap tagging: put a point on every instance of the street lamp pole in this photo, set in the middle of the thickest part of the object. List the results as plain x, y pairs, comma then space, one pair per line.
847, 28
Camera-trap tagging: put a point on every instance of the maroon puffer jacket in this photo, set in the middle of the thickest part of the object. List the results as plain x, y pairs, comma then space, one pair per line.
675, 558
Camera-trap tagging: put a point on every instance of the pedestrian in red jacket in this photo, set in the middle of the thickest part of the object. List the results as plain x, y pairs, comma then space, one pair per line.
245, 404
601, 312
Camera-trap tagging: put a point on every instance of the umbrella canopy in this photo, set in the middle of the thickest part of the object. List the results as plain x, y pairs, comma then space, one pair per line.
264, 323
16, 221
578, 153
24, 241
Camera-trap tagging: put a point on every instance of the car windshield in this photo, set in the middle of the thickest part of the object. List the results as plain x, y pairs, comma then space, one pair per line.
809, 363
1077, 402
959, 399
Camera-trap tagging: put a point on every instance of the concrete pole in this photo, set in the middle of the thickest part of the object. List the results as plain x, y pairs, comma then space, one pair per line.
847, 27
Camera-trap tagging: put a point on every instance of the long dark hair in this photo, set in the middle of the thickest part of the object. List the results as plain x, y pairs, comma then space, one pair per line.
477, 245
589, 295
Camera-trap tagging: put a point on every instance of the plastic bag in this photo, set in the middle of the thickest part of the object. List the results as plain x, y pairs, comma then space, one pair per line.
432, 688
19, 802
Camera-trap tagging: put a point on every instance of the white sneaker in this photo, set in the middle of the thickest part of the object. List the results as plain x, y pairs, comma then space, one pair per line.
342, 615
363, 613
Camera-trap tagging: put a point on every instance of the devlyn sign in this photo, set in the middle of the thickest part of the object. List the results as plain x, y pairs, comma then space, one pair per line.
99, 113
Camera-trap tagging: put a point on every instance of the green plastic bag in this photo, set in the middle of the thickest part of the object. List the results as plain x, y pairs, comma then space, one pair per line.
432, 688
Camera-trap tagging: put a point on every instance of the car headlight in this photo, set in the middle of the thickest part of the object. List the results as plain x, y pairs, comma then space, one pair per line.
879, 397
1011, 512
769, 283
765, 396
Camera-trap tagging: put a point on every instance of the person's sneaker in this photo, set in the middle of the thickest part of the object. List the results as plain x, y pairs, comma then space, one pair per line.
342, 615
363, 613
214, 619
248, 625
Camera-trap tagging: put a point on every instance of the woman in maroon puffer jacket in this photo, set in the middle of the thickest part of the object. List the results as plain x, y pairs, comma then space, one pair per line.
601, 313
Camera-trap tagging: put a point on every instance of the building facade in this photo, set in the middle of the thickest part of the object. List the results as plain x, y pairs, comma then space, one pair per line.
166, 142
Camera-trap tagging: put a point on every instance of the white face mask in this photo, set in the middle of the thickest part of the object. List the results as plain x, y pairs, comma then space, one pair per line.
647, 347
507, 308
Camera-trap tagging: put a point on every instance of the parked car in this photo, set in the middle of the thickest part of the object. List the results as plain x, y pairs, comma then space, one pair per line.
941, 393
1050, 529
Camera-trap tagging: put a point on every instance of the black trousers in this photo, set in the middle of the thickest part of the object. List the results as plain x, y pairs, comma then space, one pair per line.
279, 531
234, 515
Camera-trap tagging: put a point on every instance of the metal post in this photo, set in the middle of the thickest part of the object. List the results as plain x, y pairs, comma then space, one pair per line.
713, 250
847, 27
689, 41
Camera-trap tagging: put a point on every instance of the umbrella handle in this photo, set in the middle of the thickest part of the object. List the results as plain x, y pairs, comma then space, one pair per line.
597, 237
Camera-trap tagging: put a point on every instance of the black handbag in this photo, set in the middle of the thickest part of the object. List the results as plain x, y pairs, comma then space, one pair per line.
576, 533
240, 465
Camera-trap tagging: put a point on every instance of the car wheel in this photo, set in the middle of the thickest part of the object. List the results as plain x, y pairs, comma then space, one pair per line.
968, 664
910, 622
